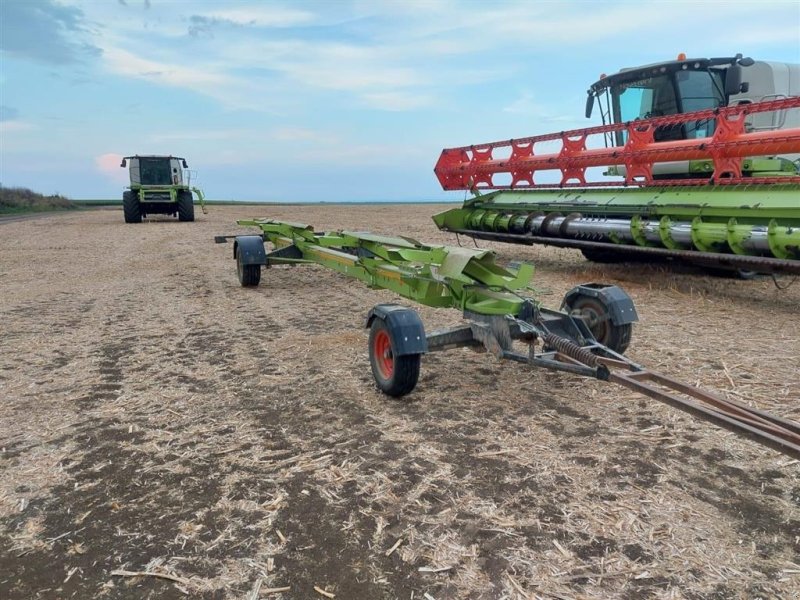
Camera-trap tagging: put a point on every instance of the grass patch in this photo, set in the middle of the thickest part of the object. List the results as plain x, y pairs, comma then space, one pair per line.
15, 200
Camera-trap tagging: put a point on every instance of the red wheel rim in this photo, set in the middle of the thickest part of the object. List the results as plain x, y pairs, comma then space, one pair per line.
382, 349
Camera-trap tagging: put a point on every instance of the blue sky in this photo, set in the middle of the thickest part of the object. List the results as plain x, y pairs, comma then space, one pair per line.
331, 100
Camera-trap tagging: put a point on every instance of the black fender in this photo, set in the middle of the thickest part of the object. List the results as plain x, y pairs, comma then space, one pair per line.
406, 326
621, 309
250, 250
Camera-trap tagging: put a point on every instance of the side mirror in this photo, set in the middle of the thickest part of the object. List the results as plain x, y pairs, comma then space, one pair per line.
185, 166
589, 104
733, 80
123, 163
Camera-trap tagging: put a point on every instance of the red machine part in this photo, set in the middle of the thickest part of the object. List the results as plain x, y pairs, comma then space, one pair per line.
473, 167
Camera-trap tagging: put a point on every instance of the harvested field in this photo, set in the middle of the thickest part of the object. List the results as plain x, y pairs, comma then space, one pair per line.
165, 433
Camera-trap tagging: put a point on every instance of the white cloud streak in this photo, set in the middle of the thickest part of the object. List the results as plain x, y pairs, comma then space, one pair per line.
401, 55
260, 15
8, 127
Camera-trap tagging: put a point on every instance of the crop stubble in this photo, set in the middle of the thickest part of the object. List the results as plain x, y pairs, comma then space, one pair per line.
165, 432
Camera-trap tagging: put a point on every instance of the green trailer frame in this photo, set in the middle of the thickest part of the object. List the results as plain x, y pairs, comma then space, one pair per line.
587, 336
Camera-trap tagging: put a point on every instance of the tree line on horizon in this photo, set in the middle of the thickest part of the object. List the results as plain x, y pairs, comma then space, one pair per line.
19, 199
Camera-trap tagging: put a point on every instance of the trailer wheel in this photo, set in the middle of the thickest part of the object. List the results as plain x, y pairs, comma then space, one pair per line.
249, 275
185, 206
394, 375
131, 207
595, 315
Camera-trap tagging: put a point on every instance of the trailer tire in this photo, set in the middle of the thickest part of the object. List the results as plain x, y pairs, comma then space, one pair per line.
597, 319
131, 207
249, 275
185, 206
394, 375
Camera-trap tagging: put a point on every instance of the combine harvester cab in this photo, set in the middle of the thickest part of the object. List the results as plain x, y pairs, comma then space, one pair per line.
159, 185
705, 153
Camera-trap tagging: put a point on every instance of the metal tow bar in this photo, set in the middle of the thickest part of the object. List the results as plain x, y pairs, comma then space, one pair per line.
773, 431
597, 361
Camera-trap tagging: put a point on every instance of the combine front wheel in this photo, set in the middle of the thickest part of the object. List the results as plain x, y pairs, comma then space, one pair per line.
185, 206
131, 207
394, 375
604, 256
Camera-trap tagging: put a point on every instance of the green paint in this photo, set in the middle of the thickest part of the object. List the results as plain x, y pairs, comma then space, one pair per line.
729, 219
438, 276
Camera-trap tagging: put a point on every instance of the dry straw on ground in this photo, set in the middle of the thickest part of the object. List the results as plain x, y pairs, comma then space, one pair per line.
166, 433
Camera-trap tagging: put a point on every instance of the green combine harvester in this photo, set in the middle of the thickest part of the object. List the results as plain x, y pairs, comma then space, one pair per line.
702, 156
159, 185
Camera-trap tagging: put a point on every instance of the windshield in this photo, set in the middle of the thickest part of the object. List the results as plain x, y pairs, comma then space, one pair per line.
154, 171
668, 94
645, 98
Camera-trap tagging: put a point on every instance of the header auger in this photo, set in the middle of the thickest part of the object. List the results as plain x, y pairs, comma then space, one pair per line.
587, 336
718, 186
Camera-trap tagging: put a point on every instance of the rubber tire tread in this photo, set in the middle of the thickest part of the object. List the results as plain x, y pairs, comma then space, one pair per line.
406, 368
185, 206
131, 207
621, 338
249, 275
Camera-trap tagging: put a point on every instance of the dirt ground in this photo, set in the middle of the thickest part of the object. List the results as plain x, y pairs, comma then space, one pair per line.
156, 417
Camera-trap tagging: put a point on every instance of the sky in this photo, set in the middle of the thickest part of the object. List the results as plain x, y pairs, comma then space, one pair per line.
330, 100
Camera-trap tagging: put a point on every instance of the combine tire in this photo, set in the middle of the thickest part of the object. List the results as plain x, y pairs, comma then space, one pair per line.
595, 315
604, 256
185, 206
249, 275
394, 375
131, 207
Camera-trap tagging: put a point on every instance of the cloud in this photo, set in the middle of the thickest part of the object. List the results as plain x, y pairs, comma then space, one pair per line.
7, 127
44, 31
108, 165
247, 16
133, 65
282, 57
146, 3
260, 16
369, 73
